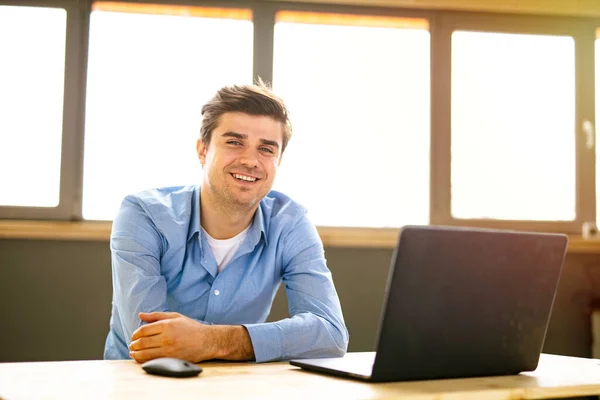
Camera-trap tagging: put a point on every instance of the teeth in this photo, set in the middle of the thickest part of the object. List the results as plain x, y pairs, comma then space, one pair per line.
244, 178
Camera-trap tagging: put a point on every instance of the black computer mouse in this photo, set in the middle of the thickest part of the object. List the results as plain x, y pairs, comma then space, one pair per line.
174, 367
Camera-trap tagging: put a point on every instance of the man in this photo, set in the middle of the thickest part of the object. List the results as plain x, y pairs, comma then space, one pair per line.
195, 269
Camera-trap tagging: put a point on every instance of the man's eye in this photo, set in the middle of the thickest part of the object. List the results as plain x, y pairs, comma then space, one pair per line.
266, 150
234, 142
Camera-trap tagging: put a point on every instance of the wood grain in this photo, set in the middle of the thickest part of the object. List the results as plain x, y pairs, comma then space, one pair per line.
556, 376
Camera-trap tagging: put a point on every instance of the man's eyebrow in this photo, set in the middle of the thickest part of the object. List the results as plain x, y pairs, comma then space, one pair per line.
269, 142
235, 135
243, 136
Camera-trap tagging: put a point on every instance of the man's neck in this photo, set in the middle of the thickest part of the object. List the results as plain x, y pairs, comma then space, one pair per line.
223, 221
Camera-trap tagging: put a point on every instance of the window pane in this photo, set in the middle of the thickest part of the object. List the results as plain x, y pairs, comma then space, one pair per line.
513, 126
359, 155
151, 68
32, 72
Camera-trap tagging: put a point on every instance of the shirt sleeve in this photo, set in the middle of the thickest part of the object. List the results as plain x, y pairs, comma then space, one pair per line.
136, 249
136, 246
316, 328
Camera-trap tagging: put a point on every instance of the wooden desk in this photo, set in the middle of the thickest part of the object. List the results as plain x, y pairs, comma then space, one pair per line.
556, 376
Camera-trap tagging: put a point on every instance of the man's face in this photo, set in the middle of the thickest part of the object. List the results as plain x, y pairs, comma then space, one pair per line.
241, 159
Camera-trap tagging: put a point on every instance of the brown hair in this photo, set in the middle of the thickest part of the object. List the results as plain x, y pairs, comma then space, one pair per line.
256, 99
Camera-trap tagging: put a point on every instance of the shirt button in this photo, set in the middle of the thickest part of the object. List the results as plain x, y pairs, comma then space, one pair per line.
216, 292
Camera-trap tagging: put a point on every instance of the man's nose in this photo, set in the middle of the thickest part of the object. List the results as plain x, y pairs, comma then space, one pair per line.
249, 158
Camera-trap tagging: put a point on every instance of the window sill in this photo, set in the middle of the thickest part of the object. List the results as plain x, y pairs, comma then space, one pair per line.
385, 238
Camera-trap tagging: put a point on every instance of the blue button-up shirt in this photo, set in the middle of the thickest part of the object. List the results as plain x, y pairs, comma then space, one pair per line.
161, 261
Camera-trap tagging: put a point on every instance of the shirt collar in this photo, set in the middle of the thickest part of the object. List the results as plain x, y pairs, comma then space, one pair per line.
195, 217
257, 228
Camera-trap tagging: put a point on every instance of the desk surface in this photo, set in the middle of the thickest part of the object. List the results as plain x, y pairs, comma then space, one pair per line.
556, 376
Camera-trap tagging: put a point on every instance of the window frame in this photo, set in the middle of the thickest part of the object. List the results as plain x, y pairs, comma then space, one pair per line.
71, 164
427, 15
441, 24
583, 32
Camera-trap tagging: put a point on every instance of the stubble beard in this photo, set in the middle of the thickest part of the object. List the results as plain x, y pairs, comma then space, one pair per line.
229, 201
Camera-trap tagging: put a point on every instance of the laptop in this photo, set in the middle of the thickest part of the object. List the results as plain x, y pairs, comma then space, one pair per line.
460, 302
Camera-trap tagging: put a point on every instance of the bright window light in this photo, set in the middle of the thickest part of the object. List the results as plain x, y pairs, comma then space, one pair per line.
151, 68
32, 77
358, 92
513, 126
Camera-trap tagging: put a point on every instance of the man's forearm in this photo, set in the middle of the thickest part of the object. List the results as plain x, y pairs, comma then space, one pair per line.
233, 343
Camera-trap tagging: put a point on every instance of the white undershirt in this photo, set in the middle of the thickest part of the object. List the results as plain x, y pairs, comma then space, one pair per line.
224, 250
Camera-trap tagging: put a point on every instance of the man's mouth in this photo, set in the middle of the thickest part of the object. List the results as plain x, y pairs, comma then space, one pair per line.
244, 178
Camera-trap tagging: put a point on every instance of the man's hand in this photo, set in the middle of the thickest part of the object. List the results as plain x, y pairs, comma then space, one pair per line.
170, 334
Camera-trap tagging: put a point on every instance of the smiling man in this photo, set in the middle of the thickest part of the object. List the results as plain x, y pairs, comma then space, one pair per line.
196, 268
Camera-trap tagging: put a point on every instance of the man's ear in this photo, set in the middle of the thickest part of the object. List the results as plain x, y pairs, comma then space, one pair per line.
201, 150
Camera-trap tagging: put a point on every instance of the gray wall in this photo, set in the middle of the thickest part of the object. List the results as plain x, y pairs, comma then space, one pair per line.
55, 299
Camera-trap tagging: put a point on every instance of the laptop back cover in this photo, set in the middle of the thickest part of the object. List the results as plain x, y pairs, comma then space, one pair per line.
467, 302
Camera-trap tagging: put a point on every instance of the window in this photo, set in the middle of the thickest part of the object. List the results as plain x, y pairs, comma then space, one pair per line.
399, 116
150, 70
32, 76
509, 97
358, 92
513, 130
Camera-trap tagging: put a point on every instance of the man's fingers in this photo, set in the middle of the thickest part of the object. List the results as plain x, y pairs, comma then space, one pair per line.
147, 330
142, 356
157, 316
148, 342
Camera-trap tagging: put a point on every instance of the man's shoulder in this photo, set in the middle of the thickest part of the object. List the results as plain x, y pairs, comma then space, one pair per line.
156, 214
280, 208
288, 224
160, 193
169, 201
